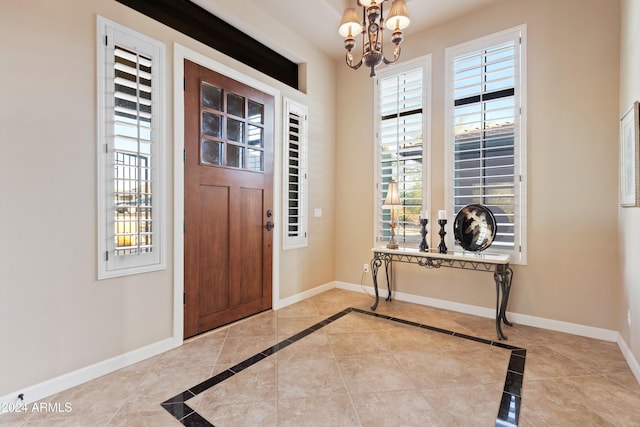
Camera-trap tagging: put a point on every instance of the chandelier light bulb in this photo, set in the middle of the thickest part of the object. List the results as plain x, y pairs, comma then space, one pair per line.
398, 18
350, 25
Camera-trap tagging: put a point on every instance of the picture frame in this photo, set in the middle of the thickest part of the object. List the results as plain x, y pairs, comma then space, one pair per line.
630, 157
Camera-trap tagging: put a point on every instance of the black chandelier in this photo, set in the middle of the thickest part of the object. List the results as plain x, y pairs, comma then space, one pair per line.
372, 40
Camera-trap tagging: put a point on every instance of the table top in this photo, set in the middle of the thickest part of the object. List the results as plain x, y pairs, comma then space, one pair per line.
490, 258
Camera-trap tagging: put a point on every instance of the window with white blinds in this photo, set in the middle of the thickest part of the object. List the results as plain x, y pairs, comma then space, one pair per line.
401, 125
485, 94
130, 155
133, 213
295, 175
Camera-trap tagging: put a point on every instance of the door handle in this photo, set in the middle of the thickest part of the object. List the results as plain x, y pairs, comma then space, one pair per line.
269, 226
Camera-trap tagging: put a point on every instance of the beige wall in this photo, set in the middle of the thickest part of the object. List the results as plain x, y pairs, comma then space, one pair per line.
55, 317
572, 273
629, 227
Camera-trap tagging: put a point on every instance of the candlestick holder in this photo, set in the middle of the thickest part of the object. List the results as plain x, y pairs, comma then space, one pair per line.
442, 248
424, 246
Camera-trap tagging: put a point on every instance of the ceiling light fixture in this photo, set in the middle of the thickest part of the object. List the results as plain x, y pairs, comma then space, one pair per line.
372, 39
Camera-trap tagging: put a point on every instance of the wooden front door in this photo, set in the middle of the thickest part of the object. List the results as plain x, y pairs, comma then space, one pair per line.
228, 191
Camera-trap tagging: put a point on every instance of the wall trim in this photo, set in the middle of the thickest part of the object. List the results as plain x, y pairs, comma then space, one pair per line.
523, 319
66, 381
304, 295
629, 357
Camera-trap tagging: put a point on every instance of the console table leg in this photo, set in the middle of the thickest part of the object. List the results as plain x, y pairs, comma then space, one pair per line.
501, 335
503, 277
506, 290
388, 269
375, 264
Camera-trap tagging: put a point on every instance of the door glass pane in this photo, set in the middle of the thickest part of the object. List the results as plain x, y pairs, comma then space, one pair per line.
235, 156
256, 112
256, 136
211, 97
235, 130
235, 105
212, 124
211, 152
254, 160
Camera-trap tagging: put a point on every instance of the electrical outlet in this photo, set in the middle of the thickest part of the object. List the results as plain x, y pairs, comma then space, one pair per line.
365, 268
629, 317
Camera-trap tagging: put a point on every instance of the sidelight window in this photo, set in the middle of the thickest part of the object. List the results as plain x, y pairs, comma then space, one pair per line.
295, 175
130, 160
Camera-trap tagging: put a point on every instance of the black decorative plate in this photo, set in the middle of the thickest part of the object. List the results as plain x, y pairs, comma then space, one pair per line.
475, 227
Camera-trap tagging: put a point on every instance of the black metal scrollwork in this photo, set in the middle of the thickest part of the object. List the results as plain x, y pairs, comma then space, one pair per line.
430, 263
502, 276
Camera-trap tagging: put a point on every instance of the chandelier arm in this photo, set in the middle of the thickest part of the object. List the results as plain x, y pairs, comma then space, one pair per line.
349, 61
396, 56
381, 30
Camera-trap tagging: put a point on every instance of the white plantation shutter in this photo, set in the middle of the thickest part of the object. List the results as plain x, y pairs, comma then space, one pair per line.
130, 120
485, 97
400, 150
295, 175
133, 213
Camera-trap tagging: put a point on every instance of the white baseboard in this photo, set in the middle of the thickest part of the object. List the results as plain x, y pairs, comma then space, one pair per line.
523, 319
304, 295
569, 328
55, 385
629, 357
417, 299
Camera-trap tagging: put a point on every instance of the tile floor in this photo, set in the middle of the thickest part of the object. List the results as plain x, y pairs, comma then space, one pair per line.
338, 365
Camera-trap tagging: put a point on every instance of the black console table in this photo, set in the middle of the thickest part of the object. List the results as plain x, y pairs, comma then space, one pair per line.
492, 263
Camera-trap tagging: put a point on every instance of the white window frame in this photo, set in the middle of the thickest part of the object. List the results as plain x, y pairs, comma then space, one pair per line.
518, 36
380, 189
298, 239
110, 34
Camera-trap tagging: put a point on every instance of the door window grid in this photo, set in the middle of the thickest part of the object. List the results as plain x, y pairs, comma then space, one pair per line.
232, 130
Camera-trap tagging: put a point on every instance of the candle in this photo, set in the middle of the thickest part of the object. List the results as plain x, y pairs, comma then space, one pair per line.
424, 214
442, 214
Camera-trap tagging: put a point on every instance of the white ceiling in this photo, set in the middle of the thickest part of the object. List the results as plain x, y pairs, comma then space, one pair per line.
317, 20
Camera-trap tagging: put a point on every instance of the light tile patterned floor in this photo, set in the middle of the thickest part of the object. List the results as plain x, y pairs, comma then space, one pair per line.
360, 370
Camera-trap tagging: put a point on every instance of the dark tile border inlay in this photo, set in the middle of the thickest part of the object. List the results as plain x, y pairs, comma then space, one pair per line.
508, 413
